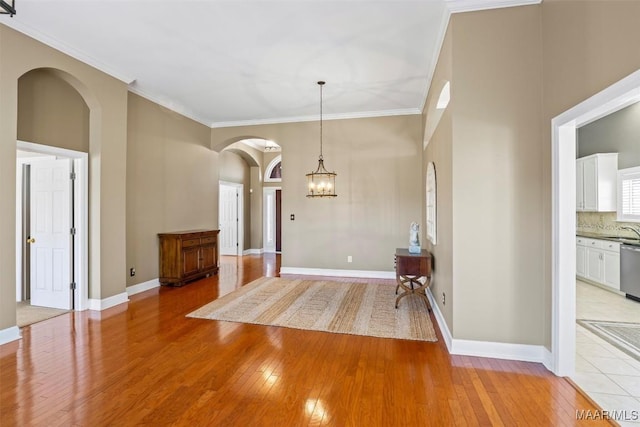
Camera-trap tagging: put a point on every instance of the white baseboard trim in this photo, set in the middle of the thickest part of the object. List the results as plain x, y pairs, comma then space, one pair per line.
498, 350
338, 273
547, 360
144, 286
444, 328
103, 304
9, 334
494, 350
252, 251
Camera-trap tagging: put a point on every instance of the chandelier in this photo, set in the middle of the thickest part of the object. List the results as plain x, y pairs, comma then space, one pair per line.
8, 8
321, 183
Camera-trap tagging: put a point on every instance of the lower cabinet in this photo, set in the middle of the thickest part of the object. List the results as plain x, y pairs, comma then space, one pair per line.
187, 255
598, 261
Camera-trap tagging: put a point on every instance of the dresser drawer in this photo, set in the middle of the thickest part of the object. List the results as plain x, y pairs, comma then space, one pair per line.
190, 242
208, 240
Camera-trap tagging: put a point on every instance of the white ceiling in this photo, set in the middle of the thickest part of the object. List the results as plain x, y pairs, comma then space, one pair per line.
227, 63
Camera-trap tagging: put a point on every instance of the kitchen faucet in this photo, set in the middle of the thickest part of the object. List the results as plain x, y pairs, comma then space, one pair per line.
635, 230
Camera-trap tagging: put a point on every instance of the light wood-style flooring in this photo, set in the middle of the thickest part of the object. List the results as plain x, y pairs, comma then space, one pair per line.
145, 363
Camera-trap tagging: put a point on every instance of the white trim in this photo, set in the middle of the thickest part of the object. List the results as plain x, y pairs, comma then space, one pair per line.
103, 304
19, 26
498, 350
239, 214
269, 169
81, 213
9, 334
458, 6
338, 273
495, 350
341, 116
269, 219
444, 24
563, 129
444, 328
253, 251
170, 105
142, 287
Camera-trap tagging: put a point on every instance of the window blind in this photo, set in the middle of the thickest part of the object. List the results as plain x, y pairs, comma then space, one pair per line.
629, 194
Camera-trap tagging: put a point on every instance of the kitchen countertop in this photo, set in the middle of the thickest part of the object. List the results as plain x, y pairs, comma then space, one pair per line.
624, 240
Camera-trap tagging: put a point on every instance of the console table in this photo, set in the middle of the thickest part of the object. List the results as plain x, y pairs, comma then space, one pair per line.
187, 255
413, 274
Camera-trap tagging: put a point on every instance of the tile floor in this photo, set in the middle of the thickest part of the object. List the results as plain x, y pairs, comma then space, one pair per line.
608, 375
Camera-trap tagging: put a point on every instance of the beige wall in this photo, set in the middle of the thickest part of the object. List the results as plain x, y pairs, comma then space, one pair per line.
51, 112
439, 140
587, 46
379, 186
172, 181
497, 171
107, 100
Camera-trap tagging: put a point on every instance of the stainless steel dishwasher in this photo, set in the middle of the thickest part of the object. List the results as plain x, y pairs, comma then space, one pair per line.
630, 271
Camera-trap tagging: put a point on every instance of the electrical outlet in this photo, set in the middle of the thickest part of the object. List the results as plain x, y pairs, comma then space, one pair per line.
349, 258
132, 271
443, 298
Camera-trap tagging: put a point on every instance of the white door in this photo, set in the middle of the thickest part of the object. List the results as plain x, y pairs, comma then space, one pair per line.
228, 218
590, 182
269, 226
50, 235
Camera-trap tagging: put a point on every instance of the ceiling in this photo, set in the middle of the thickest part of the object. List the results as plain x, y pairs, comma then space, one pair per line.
227, 63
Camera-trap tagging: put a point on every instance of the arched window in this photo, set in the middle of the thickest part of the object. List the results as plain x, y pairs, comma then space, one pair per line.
273, 172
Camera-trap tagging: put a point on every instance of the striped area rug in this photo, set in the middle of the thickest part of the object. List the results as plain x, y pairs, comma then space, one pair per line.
322, 305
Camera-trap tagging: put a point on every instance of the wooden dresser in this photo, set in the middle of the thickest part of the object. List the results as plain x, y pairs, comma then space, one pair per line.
187, 255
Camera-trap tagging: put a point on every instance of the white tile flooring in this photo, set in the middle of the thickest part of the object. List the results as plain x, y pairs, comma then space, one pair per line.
608, 375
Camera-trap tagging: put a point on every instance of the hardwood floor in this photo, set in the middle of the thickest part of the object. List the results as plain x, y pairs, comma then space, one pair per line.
145, 363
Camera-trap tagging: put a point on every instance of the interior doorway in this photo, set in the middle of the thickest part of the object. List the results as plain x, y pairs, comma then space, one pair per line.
51, 227
615, 97
231, 218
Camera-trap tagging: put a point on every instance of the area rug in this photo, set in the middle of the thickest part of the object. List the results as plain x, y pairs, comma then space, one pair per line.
27, 314
624, 336
323, 305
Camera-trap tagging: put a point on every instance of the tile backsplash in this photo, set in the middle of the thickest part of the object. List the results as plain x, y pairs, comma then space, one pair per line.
603, 223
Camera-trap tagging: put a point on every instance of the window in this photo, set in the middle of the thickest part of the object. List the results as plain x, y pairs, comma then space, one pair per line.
629, 194
273, 171
431, 202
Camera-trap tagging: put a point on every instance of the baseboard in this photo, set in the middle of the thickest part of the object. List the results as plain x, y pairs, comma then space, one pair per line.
252, 251
442, 324
498, 350
144, 286
365, 274
547, 360
494, 350
103, 304
9, 334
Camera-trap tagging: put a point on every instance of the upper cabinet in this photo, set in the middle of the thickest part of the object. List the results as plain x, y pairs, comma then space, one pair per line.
596, 178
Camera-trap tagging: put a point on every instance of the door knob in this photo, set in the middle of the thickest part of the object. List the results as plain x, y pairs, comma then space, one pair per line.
31, 240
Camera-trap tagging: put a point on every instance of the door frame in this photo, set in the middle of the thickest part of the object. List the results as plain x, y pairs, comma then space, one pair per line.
81, 217
240, 192
563, 267
268, 219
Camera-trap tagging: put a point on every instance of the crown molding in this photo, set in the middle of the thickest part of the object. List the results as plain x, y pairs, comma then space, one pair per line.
444, 24
459, 6
16, 25
341, 116
170, 106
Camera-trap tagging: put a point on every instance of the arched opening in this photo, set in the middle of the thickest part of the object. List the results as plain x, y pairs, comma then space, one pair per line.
54, 135
244, 161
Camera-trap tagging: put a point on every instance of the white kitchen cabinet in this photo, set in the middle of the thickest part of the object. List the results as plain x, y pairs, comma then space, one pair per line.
581, 261
598, 261
596, 182
611, 269
595, 265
